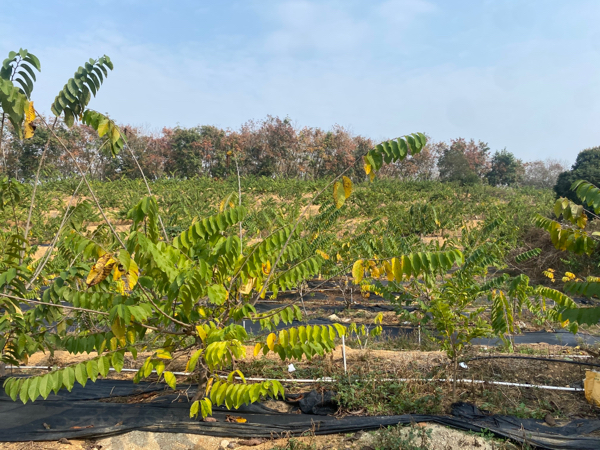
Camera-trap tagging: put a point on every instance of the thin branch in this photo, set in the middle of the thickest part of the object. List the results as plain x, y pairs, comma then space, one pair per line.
172, 319
148, 188
74, 308
35, 183
93, 194
54, 240
37, 302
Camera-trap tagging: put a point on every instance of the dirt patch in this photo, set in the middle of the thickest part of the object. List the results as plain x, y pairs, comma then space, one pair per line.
432, 436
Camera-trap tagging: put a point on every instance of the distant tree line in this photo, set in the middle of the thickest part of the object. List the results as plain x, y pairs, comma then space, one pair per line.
272, 147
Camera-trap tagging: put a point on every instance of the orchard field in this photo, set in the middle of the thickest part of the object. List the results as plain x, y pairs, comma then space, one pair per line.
391, 296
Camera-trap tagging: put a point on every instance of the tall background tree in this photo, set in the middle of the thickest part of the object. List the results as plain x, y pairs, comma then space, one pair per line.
505, 169
543, 174
586, 167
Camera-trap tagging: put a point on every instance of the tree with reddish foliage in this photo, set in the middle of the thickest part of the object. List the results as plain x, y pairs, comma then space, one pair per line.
464, 161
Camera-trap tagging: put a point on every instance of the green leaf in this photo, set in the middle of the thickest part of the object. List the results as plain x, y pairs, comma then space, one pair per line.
69, 378
206, 406
81, 374
45, 386
170, 380
194, 409
103, 366
191, 365
33, 389
117, 361
217, 294
92, 369
24, 389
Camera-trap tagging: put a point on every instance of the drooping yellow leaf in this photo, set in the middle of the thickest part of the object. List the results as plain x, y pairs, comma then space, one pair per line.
101, 269
29, 118
266, 267
201, 332
367, 166
257, 348
247, 288
132, 275
339, 197
118, 328
271, 338
371, 176
375, 272
358, 271
347, 182
118, 272
389, 272
209, 384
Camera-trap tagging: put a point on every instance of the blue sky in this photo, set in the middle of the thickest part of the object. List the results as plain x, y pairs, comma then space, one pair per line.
517, 74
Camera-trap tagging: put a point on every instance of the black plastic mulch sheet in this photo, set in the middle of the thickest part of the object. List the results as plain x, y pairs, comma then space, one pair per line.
82, 414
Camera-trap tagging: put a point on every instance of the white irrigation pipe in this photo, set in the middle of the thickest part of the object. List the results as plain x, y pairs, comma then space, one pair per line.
332, 380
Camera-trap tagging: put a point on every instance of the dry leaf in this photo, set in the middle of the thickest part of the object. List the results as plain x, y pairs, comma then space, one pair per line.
101, 269
347, 182
29, 118
235, 419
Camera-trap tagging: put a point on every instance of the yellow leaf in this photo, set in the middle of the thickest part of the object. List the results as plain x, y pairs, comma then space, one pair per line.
118, 328
201, 332
389, 272
271, 341
322, 254
338, 257
347, 182
257, 348
240, 420
367, 166
162, 353
375, 272
339, 197
371, 176
209, 384
266, 267
222, 205
101, 269
117, 272
29, 118
247, 288
358, 271
132, 275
